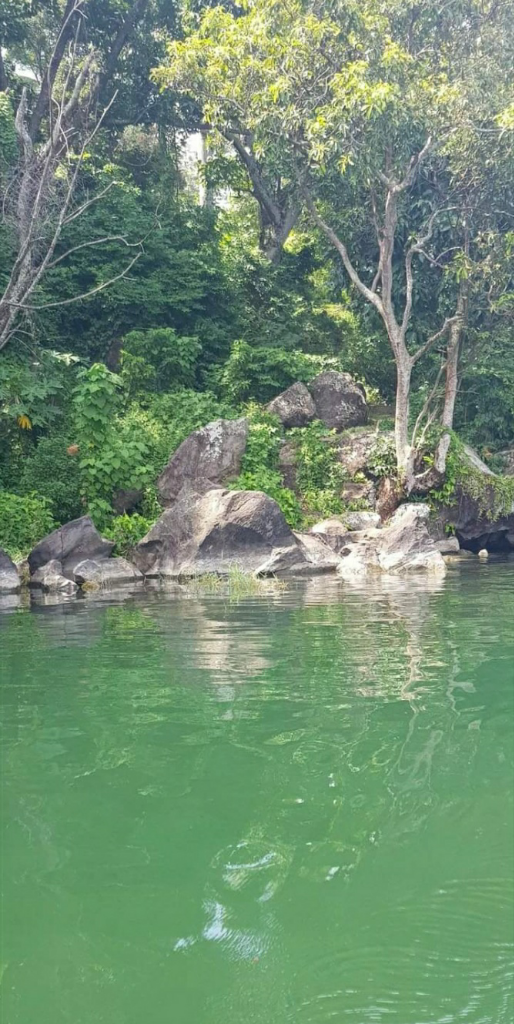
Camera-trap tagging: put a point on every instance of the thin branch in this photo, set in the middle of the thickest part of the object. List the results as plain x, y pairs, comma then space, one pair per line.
370, 295
87, 245
409, 277
84, 295
89, 202
413, 166
415, 161
433, 338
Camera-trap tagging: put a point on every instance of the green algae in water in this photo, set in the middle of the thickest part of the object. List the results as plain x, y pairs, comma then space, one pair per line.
293, 808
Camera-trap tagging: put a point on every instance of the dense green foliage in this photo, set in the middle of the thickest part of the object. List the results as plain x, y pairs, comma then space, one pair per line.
237, 290
260, 469
23, 521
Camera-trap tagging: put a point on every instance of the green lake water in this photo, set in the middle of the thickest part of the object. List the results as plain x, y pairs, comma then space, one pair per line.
285, 808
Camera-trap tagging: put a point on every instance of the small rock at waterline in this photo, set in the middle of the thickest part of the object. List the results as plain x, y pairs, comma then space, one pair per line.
483, 553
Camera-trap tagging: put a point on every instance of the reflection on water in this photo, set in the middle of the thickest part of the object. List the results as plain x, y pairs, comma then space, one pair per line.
288, 808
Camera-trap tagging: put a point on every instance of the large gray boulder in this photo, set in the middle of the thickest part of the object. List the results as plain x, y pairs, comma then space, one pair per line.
206, 459
107, 572
294, 407
69, 545
339, 401
214, 532
9, 578
404, 545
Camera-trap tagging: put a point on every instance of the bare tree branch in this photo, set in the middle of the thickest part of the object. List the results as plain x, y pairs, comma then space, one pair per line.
368, 294
84, 295
92, 243
87, 203
432, 339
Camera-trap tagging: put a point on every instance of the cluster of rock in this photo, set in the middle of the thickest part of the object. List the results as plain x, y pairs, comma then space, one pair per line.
73, 556
219, 530
332, 397
206, 528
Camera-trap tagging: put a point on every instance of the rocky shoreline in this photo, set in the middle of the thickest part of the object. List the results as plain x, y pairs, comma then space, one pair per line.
219, 531
206, 528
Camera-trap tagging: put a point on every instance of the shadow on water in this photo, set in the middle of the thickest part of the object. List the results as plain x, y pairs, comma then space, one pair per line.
295, 807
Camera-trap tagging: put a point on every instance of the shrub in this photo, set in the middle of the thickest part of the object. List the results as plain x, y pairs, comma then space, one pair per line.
158, 360
317, 459
270, 481
175, 416
129, 450
382, 458
319, 475
54, 474
259, 467
126, 531
261, 373
23, 522
113, 453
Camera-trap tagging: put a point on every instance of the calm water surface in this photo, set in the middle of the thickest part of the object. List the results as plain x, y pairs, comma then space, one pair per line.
282, 809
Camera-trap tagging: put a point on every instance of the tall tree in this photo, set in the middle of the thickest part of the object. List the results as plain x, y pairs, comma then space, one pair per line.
379, 104
72, 66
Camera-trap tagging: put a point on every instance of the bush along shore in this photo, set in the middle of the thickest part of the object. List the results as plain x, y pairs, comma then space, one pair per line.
304, 484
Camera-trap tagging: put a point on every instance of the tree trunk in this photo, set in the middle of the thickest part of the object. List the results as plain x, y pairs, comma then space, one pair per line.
3, 76
452, 380
401, 425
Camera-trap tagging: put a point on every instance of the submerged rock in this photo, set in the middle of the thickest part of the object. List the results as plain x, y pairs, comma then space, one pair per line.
206, 459
69, 545
310, 556
9, 579
339, 401
294, 407
320, 556
107, 572
50, 578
